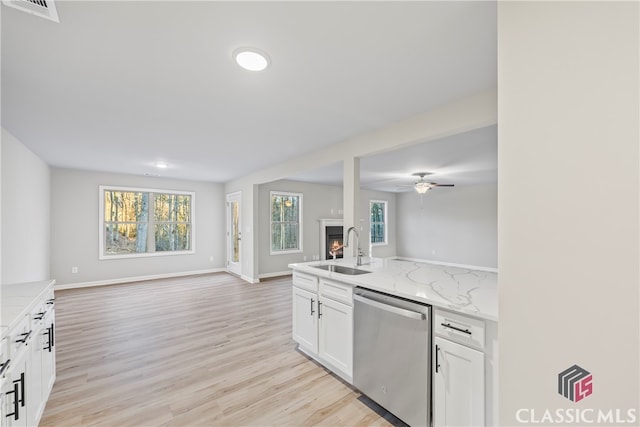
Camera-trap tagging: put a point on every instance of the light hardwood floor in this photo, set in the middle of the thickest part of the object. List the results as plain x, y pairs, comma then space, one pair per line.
202, 350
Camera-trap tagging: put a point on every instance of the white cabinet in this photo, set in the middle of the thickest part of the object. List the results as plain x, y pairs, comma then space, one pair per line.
305, 319
48, 351
323, 321
15, 401
458, 385
28, 355
458, 370
335, 335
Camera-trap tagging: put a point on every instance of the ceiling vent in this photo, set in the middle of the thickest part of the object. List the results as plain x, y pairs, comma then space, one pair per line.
43, 8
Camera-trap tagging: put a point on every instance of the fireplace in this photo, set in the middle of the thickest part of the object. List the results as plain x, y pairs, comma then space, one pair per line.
333, 241
331, 235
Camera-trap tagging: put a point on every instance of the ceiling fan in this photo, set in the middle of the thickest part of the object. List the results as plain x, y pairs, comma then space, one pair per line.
423, 186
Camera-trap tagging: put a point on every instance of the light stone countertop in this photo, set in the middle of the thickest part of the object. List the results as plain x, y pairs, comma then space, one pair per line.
463, 290
16, 300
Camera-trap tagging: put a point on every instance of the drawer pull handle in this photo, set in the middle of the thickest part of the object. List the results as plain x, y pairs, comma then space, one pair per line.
312, 300
4, 366
319, 312
24, 338
38, 316
437, 362
48, 333
16, 403
51, 301
23, 400
450, 326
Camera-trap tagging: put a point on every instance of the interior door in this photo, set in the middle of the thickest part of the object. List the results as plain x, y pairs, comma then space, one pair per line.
234, 234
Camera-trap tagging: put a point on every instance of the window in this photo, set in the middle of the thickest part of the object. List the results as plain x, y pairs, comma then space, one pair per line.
286, 222
142, 222
378, 211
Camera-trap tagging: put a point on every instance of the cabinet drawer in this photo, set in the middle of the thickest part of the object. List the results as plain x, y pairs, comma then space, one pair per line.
49, 302
305, 281
459, 328
38, 313
336, 291
20, 336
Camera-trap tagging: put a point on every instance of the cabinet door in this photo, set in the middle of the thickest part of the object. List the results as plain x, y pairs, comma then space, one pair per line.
458, 385
336, 335
48, 356
305, 319
14, 399
35, 402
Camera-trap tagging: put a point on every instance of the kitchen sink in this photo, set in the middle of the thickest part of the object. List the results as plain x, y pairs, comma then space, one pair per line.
341, 269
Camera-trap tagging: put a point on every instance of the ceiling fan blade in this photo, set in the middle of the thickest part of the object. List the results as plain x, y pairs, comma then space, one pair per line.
443, 185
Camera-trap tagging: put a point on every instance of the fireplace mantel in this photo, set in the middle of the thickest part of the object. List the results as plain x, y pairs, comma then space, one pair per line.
324, 223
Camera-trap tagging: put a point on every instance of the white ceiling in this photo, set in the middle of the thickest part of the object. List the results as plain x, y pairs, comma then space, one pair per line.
117, 86
464, 159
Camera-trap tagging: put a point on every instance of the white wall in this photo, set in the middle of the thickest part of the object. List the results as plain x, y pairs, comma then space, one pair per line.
75, 225
318, 201
568, 212
457, 225
25, 213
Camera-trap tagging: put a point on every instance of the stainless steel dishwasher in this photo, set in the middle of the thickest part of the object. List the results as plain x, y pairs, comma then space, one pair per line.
392, 354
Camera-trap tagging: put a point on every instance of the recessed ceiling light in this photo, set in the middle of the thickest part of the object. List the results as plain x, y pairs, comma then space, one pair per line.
161, 165
251, 59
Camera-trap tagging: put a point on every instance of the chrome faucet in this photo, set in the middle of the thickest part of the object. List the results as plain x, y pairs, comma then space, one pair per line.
346, 244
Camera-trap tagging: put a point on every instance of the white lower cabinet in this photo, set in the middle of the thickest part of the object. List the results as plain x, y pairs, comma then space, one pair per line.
15, 401
28, 356
305, 319
458, 385
458, 371
335, 335
48, 354
323, 322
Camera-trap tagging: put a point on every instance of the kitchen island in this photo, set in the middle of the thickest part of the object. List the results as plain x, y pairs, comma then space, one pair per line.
464, 326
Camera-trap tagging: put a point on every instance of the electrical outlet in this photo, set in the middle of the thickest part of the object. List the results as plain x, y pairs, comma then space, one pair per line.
74, 270
304, 258
211, 258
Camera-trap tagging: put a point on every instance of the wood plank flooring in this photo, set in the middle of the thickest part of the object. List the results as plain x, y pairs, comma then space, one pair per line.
209, 350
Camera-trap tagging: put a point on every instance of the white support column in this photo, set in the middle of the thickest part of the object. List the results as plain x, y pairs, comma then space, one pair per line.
351, 199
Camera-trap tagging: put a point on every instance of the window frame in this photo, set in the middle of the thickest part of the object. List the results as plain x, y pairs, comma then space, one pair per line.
385, 223
151, 223
300, 223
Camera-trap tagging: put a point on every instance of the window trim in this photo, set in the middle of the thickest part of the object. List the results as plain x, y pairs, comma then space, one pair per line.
385, 223
300, 224
101, 245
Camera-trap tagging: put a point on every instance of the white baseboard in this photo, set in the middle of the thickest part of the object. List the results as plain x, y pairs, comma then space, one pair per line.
276, 274
135, 279
249, 279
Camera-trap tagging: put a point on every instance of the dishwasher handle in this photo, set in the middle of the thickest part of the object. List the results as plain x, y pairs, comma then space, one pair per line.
390, 308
